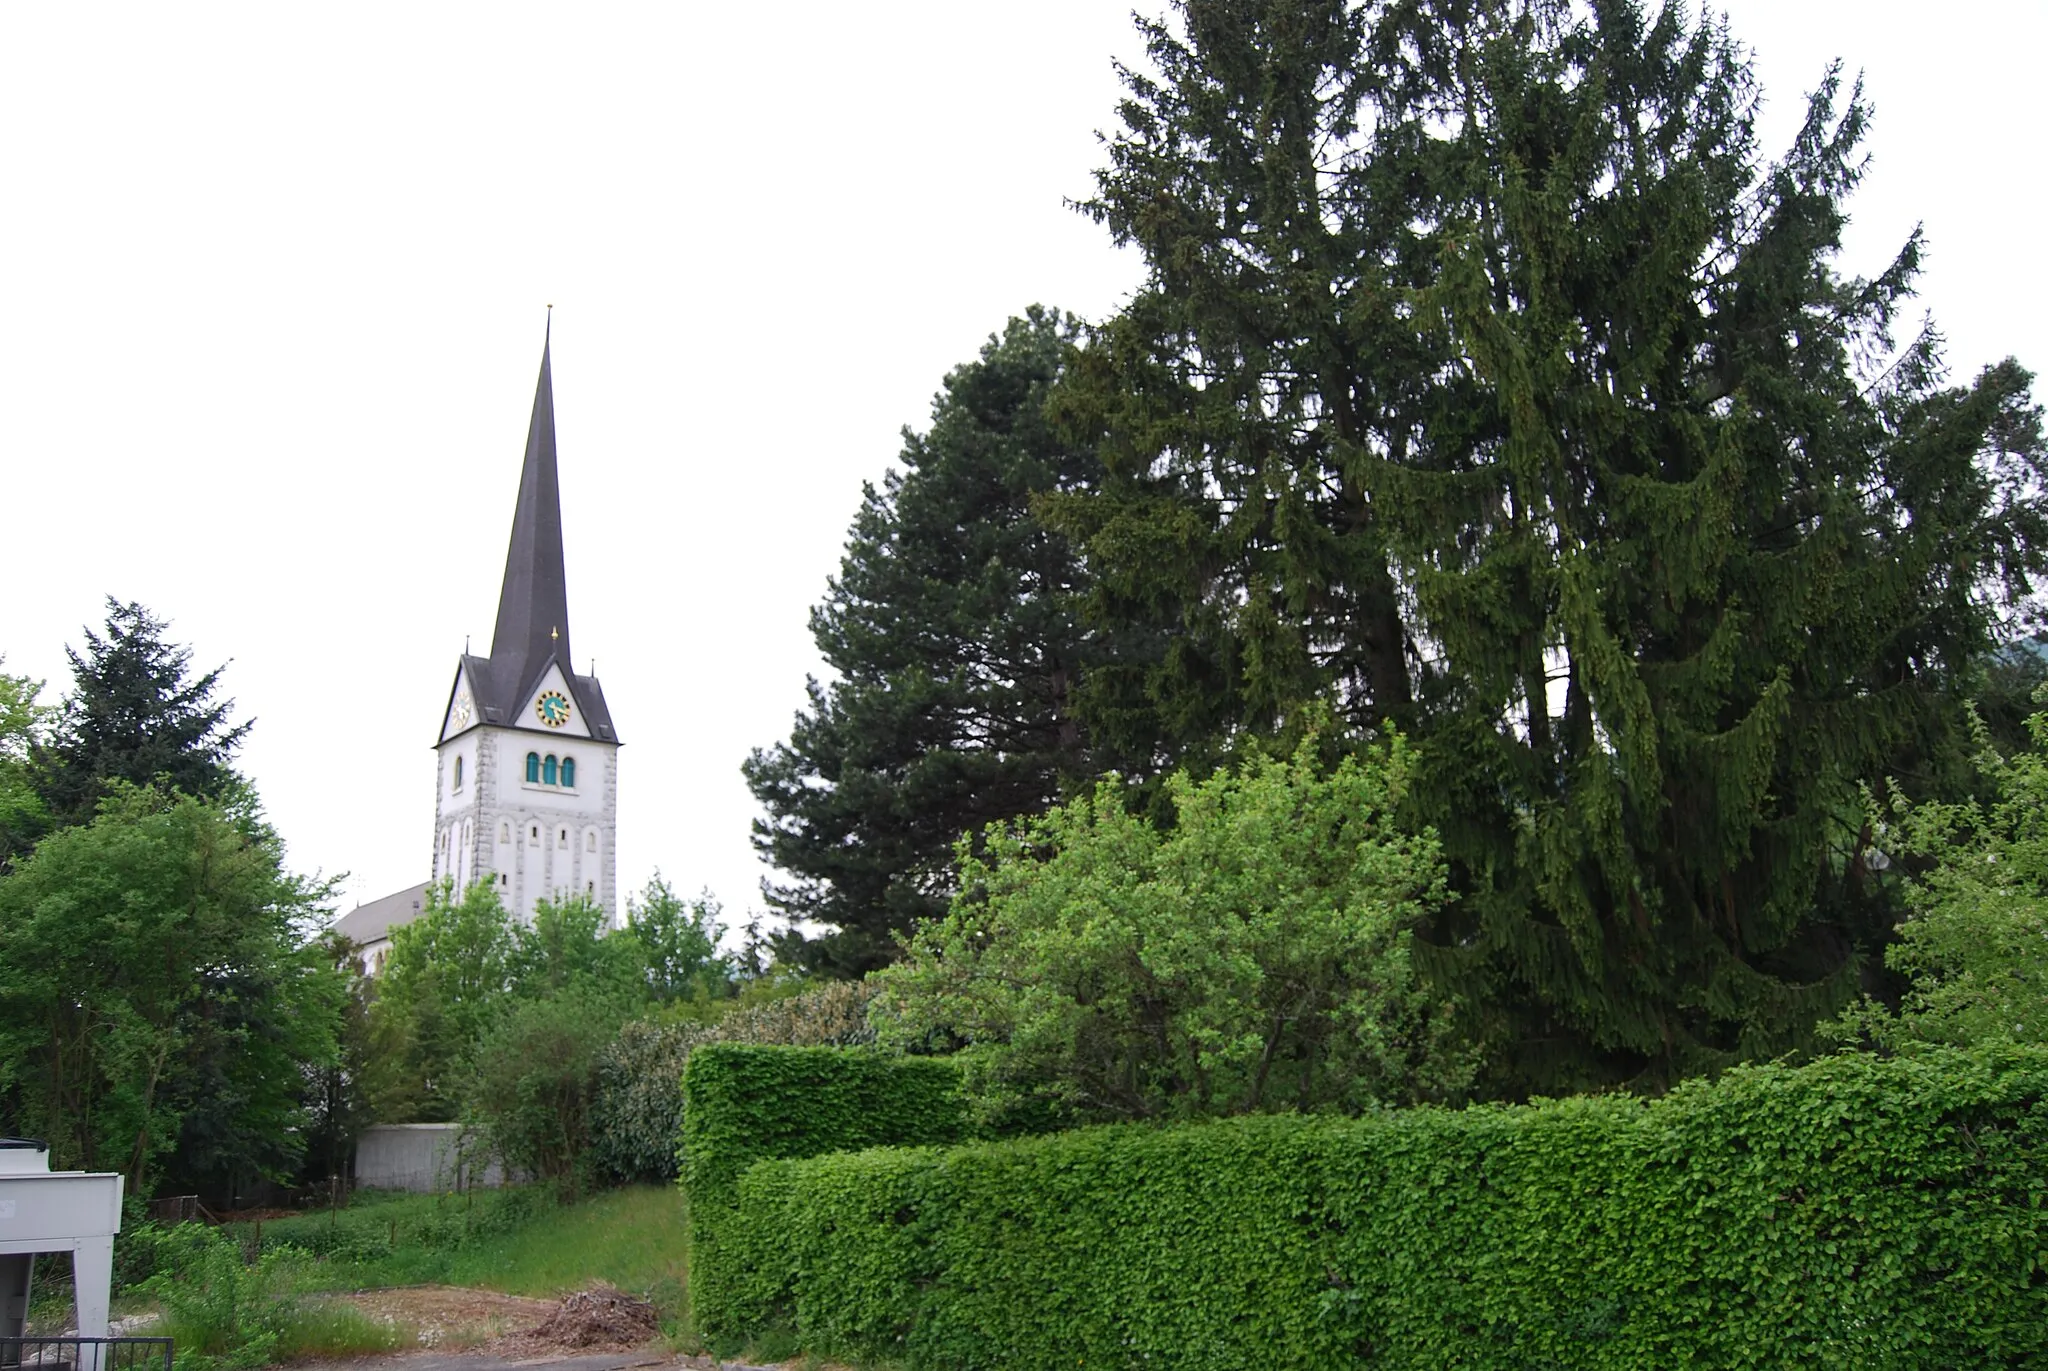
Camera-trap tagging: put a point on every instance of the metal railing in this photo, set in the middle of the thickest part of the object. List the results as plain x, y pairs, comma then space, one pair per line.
87, 1354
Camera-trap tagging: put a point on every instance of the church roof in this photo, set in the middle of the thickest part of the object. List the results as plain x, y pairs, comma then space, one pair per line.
532, 631
533, 606
373, 922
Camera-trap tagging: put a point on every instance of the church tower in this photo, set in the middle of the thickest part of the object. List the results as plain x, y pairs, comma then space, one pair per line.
529, 761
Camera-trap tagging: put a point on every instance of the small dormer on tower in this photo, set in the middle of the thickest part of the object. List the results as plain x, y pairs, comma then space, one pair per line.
528, 774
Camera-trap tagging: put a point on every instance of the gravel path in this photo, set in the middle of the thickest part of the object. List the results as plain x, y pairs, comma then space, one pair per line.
485, 1361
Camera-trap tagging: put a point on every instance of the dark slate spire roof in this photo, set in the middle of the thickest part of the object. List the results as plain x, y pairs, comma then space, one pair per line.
533, 606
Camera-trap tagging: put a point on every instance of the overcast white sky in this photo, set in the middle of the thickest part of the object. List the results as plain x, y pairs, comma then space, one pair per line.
275, 288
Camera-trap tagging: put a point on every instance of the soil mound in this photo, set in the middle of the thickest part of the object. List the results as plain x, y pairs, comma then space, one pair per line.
600, 1317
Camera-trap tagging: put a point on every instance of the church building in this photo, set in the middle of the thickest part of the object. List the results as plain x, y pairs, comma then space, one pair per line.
527, 770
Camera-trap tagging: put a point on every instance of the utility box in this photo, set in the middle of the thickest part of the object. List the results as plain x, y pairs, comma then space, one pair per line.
55, 1211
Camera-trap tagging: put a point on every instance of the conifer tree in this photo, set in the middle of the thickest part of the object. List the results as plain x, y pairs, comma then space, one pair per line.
136, 714
953, 629
1489, 381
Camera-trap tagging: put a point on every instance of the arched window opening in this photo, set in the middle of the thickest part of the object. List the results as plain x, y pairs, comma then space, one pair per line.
458, 773
533, 838
549, 771
533, 768
569, 772
590, 842
563, 840
504, 833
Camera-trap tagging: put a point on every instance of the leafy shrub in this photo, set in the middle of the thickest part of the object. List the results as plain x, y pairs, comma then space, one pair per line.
747, 1102
534, 1080
221, 1311
637, 1116
1854, 1213
1251, 957
1975, 940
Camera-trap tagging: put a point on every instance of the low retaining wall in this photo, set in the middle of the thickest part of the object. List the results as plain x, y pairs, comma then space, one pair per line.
421, 1157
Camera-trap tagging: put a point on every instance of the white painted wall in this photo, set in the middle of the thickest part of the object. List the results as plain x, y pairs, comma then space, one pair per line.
539, 841
420, 1157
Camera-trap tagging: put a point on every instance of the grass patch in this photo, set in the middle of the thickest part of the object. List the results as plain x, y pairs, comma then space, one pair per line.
324, 1329
517, 1242
250, 1294
632, 1238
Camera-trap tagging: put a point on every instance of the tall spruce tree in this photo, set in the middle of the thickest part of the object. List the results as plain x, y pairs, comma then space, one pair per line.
954, 630
136, 714
1488, 381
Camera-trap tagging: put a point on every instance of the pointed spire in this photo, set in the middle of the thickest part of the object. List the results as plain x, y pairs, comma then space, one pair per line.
533, 606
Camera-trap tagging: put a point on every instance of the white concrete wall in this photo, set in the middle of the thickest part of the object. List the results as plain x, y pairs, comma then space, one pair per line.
419, 1157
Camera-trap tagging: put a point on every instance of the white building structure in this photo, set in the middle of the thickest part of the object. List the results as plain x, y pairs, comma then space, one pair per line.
527, 791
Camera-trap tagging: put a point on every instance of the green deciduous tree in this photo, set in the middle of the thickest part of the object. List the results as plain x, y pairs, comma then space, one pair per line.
532, 1081
1974, 946
23, 724
1251, 957
158, 991
447, 973
678, 942
953, 629
136, 714
1488, 380
464, 969
339, 1105
571, 944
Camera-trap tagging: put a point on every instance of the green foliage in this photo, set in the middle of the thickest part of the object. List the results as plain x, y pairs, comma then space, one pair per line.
1975, 942
221, 1311
569, 945
637, 1120
1487, 380
136, 715
533, 1080
465, 964
338, 1096
157, 993
439, 988
1251, 957
520, 1241
638, 1114
679, 943
23, 726
1856, 1213
743, 1103
394, 1238
954, 635
226, 1314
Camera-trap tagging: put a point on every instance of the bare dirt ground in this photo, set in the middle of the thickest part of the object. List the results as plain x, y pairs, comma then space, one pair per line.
479, 1330
449, 1317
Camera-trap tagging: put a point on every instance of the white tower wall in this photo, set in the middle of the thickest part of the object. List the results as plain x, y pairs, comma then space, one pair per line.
533, 841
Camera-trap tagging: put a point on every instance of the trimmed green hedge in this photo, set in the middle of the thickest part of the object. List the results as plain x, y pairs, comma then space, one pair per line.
1854, 1213
744, 1103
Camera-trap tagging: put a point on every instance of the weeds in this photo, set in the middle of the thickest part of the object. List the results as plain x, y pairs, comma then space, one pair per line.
225, 1314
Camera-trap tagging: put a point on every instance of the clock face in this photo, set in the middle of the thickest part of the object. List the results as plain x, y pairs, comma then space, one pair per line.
553, 708
463, 710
